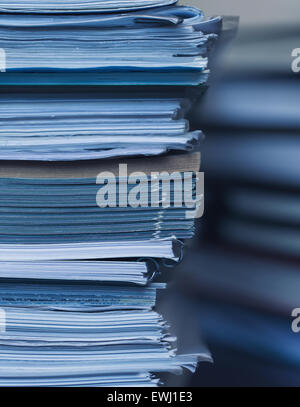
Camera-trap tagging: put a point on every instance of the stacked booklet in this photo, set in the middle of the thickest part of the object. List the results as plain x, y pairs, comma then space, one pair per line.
164, 45
63, 204
98, 184
73, 6
64, 126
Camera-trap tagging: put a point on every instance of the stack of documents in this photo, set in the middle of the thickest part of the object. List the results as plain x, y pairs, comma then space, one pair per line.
79, 6
138, 273
59, 205
93, 336
158, 248
64, 126
157, 46
92, 203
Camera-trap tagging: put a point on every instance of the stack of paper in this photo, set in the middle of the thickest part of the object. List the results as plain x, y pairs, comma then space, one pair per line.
121, 341
80, 271
79, 126
63, 207
165, 249
79, 6
84, 232
157, 46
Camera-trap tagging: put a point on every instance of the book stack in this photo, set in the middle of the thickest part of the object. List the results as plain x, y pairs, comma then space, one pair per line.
86, 219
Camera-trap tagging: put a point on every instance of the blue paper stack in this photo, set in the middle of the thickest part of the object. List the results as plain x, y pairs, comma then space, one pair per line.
67, 126
77, 294
161, 46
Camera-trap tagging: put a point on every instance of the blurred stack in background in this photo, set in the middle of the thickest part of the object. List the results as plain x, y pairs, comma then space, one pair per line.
244, 269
